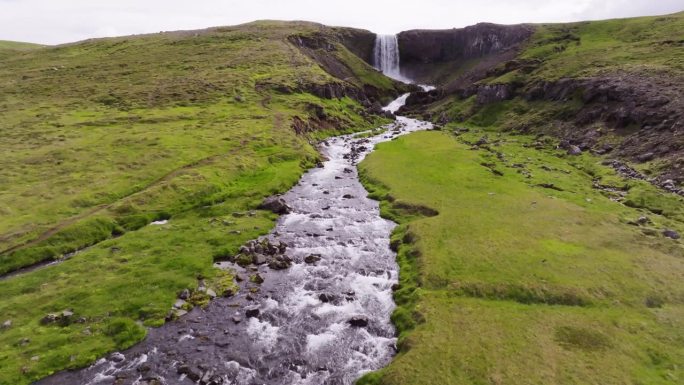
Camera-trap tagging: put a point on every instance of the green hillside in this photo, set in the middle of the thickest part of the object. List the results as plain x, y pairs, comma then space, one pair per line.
104, 136
18, 46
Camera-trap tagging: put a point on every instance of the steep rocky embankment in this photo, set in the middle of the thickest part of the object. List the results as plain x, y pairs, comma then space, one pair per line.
611, 87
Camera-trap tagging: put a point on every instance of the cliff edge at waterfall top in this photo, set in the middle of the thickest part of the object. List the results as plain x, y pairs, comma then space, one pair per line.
285, 202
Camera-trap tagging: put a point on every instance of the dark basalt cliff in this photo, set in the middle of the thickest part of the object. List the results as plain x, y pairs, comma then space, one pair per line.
444, 56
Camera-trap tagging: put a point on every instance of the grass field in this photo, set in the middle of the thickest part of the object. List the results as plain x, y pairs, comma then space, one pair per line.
102, 137
515, 283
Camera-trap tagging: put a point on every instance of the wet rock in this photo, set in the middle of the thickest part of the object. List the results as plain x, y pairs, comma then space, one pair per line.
671, 234
280, 262
192, 373
252, 313
276, 205
325, 298
256, 278
358, 322
348, 196
117, 357
184, 294
259, 259
236, 319
312, 258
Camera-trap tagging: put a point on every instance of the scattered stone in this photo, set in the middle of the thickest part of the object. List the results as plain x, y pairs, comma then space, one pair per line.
259, 259
574, 150
671, 234
237, 319
179, 304
646, 157
256, 278
192, 373
280, 262
24, 341
49, 319
7, 324
211, 293
35, 358
482, 141
643, 220
358, 322
312, 258
184, 294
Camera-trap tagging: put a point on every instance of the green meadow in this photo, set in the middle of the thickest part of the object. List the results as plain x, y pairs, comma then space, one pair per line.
515, 270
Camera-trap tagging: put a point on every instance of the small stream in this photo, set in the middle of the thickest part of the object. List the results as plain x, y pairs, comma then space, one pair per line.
326, 322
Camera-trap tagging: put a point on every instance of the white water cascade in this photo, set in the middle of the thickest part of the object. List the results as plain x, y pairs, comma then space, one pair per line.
386, 56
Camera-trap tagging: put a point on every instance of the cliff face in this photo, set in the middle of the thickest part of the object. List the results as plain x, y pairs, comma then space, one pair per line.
446, 56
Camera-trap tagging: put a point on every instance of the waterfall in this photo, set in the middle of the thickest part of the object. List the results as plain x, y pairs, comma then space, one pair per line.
386, 56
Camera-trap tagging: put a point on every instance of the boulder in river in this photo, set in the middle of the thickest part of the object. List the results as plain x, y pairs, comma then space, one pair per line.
276, 205
252, 312
358, 322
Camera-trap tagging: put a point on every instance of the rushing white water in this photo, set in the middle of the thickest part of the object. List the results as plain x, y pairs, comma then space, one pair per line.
386, 56
303, 332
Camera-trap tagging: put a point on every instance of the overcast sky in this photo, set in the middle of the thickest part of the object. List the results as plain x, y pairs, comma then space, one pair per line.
61, 21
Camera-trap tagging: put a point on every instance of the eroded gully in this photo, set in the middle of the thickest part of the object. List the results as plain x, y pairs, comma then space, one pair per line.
326, 322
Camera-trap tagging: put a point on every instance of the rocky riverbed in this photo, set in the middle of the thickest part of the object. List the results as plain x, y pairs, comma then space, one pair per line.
315, 300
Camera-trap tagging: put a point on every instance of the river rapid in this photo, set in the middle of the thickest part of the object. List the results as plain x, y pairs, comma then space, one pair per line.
325, 320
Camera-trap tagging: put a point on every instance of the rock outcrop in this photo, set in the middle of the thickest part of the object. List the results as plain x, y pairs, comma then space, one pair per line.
433, 56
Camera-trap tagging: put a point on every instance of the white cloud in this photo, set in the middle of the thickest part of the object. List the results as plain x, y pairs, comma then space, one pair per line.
52, 22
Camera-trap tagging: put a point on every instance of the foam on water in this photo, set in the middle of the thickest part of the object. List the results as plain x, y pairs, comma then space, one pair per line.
302, 333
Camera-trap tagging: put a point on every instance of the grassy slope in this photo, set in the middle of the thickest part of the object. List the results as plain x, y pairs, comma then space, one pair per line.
18, 45
101, 137
513, 283
648, 45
